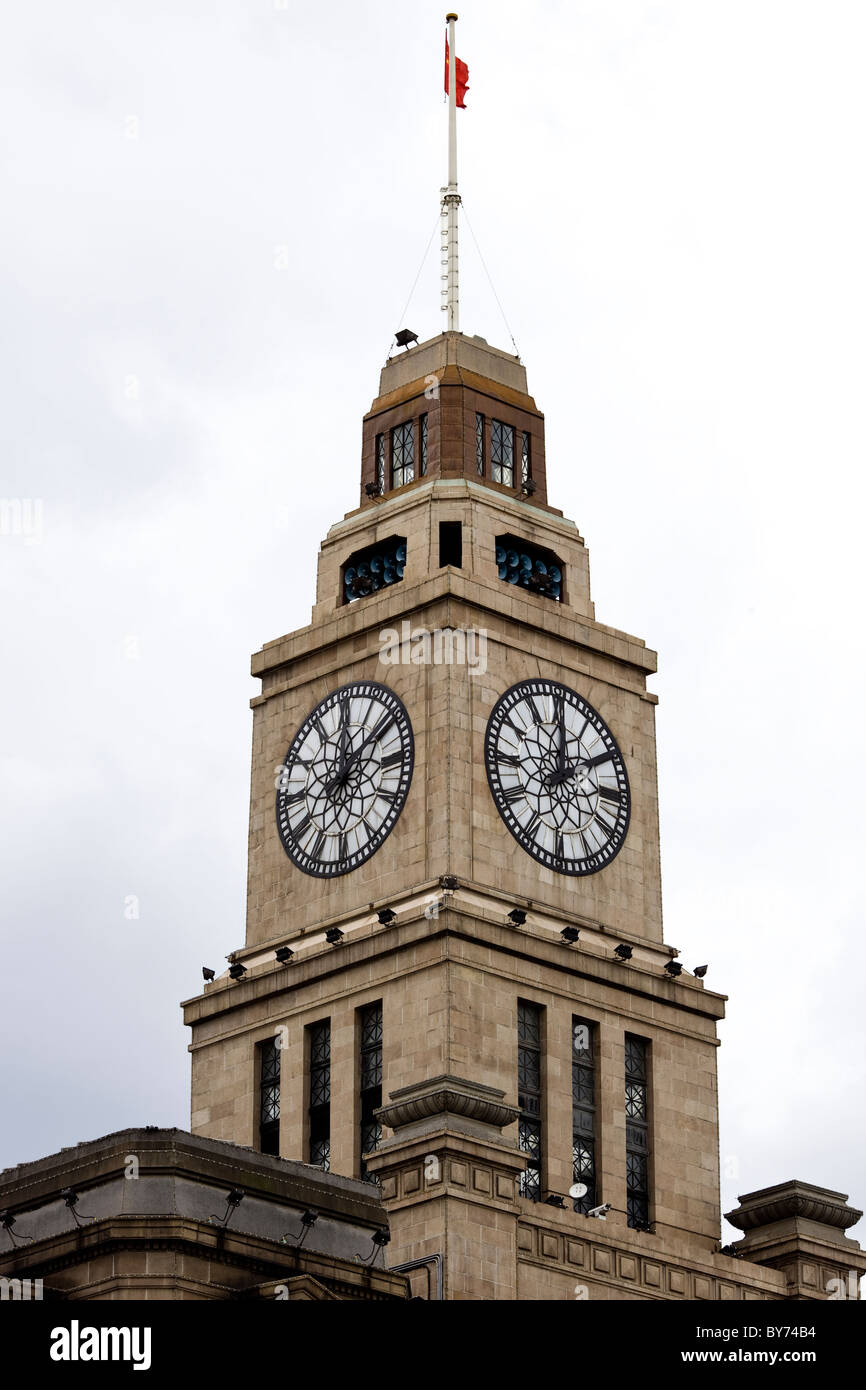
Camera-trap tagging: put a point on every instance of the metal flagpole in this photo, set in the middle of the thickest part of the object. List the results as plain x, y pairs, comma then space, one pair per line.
451, 198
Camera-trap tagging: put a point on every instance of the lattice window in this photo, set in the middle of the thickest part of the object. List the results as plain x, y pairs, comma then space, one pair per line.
370, 1022
320, 1094
583, 1111
380, 463
479, 444
525, 457
529, 1135
637, 1131
423, 446
502, 452
403, 454
269, 1097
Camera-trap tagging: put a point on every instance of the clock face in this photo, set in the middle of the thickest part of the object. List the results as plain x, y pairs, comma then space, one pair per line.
557, 777
345, 779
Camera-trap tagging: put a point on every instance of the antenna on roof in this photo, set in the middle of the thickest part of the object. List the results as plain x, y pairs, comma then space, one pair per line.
456, 75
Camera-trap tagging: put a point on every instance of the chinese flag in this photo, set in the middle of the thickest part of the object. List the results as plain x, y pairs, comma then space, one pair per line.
462, 72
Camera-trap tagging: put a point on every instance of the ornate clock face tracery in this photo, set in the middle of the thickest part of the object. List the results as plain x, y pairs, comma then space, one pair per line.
345, 779
557, 777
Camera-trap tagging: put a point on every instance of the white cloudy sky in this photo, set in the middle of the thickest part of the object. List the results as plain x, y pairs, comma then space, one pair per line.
670, 199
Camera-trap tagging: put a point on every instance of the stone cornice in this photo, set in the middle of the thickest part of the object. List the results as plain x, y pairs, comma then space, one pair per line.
447, 1095
794, 1199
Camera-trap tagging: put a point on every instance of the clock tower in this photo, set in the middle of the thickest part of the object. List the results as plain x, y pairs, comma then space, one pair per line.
454, 981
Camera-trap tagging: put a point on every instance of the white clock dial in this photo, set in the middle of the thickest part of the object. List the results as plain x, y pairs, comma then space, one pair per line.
345, 779
557, 777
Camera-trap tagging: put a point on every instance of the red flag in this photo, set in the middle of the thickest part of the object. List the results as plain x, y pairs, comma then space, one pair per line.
462, 73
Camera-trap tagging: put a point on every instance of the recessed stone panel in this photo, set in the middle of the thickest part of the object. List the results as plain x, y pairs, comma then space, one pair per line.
703, 1287
652, 1275
481, 1180
601, 1261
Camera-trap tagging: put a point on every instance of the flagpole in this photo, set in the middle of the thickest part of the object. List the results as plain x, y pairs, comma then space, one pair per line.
451, 198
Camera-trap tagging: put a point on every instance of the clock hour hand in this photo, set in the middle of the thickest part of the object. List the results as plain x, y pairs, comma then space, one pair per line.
349, 762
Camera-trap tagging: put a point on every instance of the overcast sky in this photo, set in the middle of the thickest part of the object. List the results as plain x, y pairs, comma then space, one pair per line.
213, 216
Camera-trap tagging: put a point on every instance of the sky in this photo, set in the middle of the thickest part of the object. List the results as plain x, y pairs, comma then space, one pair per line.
214, 216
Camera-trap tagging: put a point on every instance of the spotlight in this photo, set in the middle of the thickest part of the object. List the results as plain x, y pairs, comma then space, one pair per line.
700, 971
553, 1199
528, 487
70, 1197
623, 951
517, 916
333, 936
308, 1221
373, 490
449, 883
7, 1221
673, 968
284, 954
570, 935
380, 1240
233, 1201
207, 973
237, 971
386, 916
405, 337
732, 1251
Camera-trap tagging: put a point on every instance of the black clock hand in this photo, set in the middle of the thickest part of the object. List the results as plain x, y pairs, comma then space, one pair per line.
559, 706
374, 734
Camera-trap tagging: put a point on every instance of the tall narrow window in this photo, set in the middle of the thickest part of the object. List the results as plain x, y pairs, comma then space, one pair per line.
371, 1079
636, 1131
502, 452
479, 444
450, 543
525, 458
529, 1096
402, 454
583, 1109
422, 447
320, 1095
269, 1097
380, 463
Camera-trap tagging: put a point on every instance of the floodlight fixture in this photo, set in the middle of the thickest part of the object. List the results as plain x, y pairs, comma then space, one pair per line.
405, 338
570, 935
284, 954
333, 936
623, 952
207, 974
517, 916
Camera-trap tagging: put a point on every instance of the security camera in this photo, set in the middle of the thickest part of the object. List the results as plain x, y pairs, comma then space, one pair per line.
600, 1212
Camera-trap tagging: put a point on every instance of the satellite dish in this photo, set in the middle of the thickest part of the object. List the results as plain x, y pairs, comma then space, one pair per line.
579, 1190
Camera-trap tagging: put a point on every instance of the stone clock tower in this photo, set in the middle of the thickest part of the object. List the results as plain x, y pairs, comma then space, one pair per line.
454, 982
